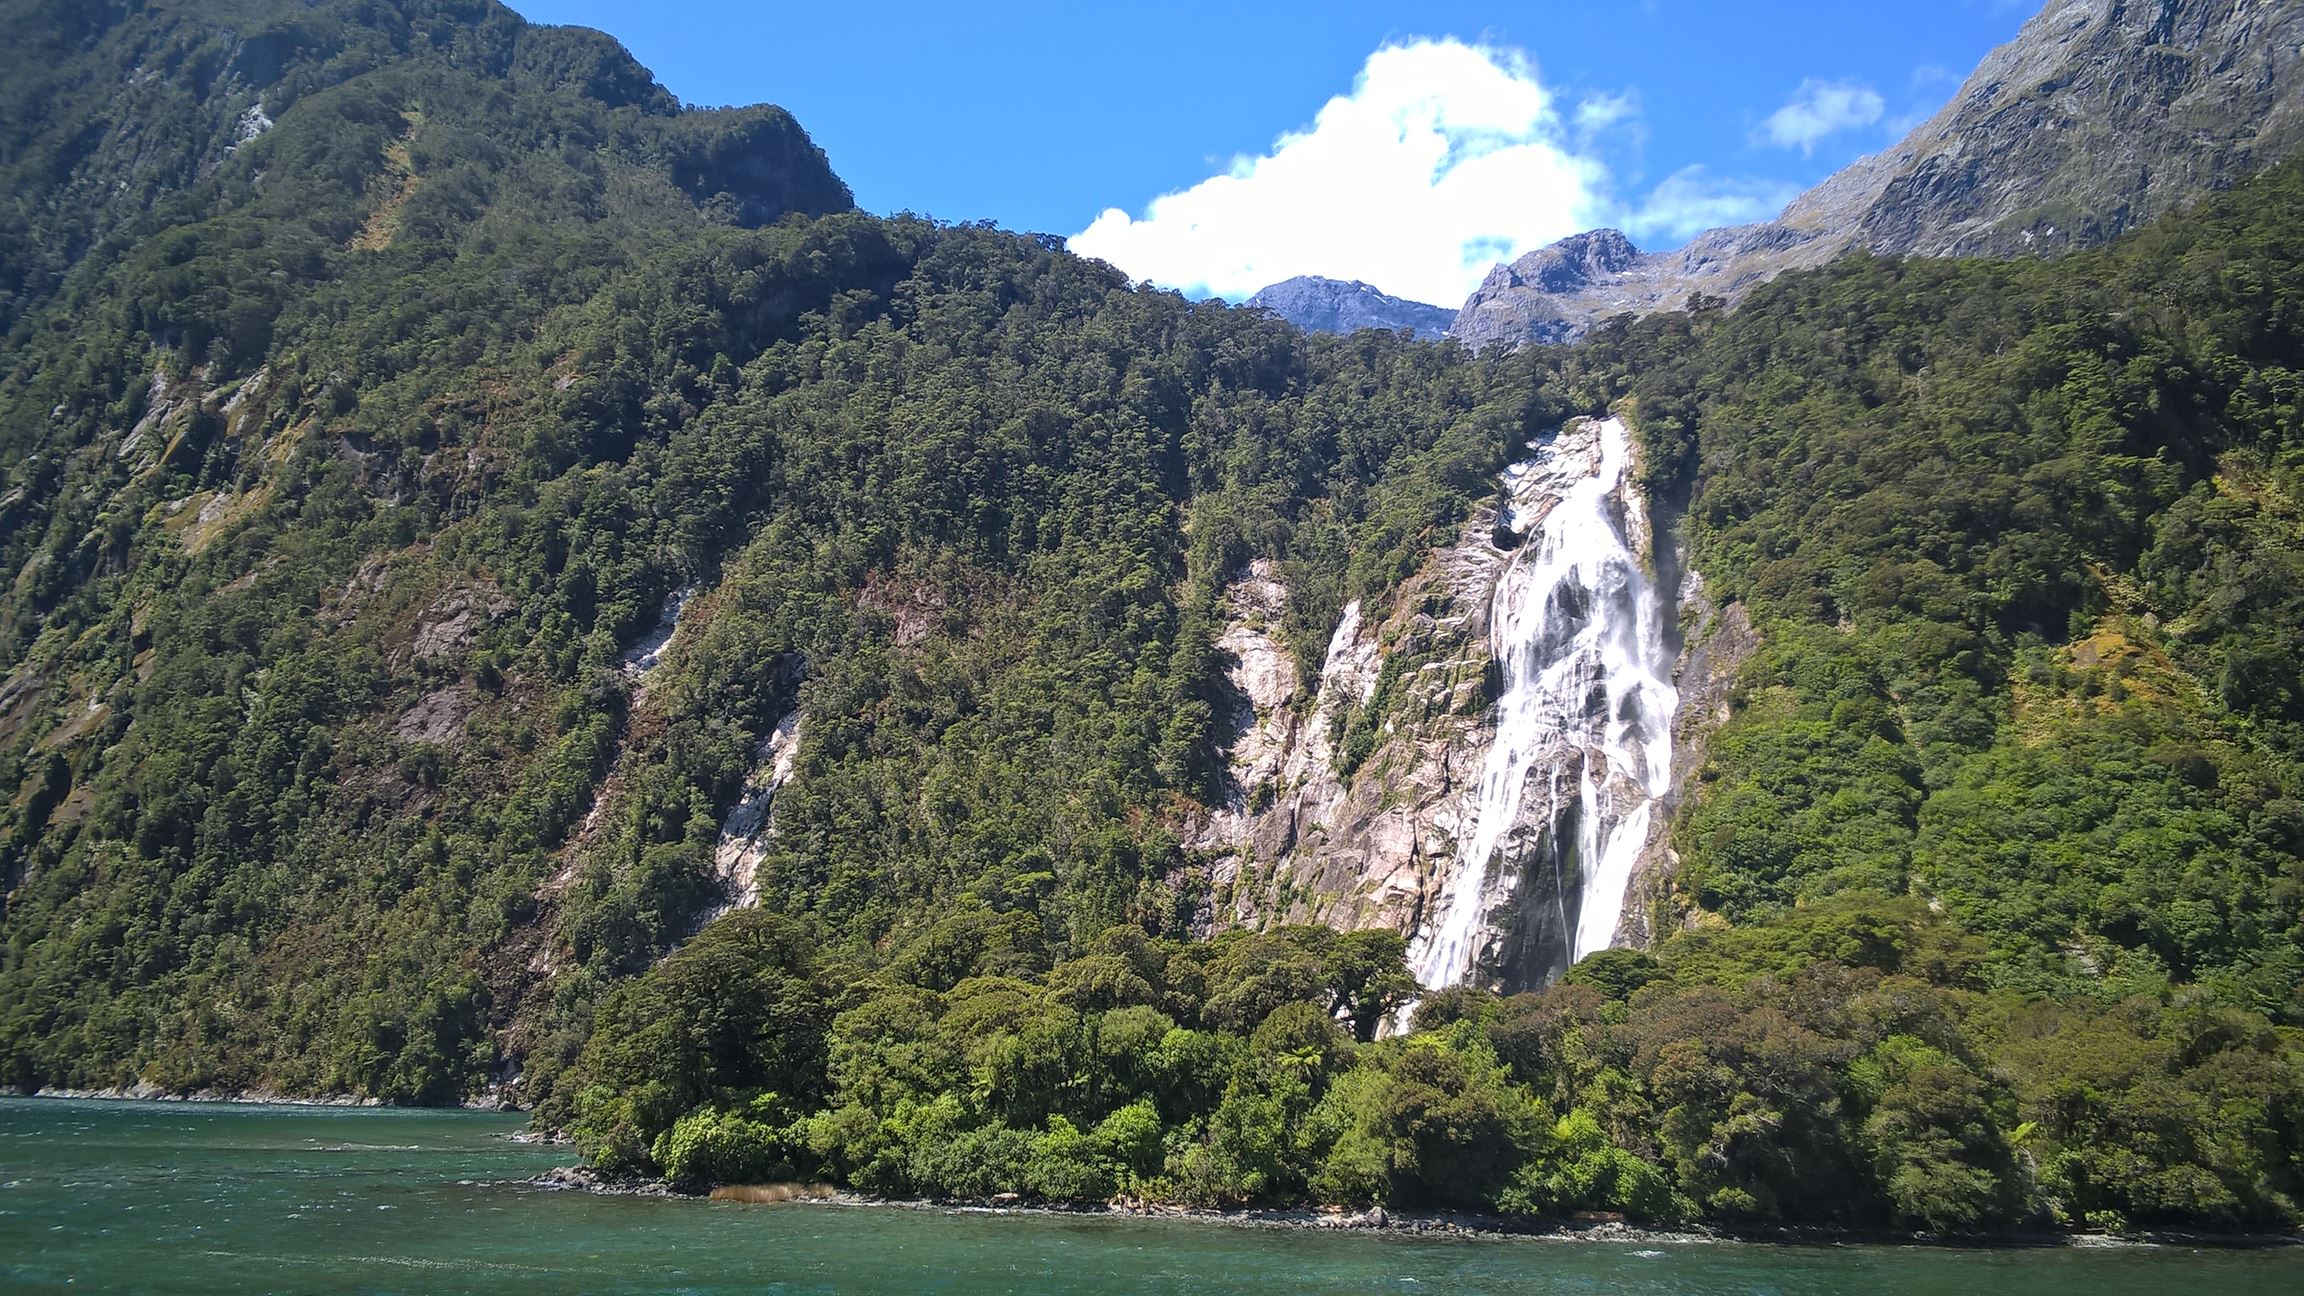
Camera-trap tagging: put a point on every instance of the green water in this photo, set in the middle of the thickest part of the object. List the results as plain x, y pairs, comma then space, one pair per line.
159, 1197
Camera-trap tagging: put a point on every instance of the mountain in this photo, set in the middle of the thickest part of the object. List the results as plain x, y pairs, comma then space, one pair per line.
516, 591
1337, 306
112, 117
2098, 117
1553, 294
1871, 764
470, 520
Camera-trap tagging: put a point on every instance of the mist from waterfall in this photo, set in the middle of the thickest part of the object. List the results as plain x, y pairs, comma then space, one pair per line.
1584, 723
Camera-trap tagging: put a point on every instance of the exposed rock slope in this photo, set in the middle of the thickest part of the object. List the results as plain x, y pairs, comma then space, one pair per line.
2098, 117
1354, 808
1323, 305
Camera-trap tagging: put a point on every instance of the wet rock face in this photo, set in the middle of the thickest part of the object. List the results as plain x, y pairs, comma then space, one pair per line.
2101, 116
1385, 845
1717, 642
1530, 908
746, 831
1578, 743
1261, 675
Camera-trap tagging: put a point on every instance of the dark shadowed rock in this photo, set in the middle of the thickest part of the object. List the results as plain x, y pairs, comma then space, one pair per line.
1323, 305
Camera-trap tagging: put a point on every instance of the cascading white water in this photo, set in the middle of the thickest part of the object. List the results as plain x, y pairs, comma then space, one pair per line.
1585, 719
642, 658
745, 832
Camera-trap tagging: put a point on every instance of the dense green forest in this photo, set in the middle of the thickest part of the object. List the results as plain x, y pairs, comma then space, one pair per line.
316, 698
2024, 542
1834, 1066
376, 375
1994, 877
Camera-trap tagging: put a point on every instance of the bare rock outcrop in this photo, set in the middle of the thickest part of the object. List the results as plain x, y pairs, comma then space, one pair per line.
455, 620
2100, 116
750, 823
1350, 803
1322, 305
1359, 843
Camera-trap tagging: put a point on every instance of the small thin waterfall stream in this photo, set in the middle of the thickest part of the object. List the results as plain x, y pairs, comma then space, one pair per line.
1583, 729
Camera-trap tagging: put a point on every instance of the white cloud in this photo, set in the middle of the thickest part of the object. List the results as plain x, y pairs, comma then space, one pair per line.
1444, 159
1818, 109
1692, 200
1597, 114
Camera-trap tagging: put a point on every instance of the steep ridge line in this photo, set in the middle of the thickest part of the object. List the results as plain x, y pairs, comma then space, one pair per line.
2100, 116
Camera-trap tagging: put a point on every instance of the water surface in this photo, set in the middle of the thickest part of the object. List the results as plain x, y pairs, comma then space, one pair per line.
166, 1197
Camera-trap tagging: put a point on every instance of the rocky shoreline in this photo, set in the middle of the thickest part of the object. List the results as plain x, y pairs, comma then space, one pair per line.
1421, 1224
251, 1098
1376, 1219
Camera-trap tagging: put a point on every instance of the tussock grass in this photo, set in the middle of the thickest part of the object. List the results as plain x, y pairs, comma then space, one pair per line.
768, 1193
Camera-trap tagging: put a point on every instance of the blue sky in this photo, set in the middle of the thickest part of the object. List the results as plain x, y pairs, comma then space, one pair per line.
1214, 147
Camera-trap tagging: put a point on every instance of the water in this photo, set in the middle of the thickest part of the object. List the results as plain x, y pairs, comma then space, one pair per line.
745, 833
1586, 713
641, 659
158, 1197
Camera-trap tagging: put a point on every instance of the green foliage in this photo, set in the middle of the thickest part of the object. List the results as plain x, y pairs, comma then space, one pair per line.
1843, 1072
2148, 1117
717, 1147
738, 1013
316, 676
1582, 1171
2020, 540
346, 460
1615, 973
1935, 1137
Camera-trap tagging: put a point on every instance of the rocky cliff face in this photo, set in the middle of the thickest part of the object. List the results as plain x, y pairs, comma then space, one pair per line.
2098, 117
1481, 762
1554, 293
2101, 116
1323, 305
749, 824
1715, 643
1312, 836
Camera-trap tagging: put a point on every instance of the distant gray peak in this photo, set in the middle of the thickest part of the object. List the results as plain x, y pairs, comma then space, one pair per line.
1574, 262
1323, 281
1319, 304
2100, 116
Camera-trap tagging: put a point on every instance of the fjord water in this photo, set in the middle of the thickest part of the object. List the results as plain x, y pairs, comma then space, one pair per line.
1584, 723
163, 1197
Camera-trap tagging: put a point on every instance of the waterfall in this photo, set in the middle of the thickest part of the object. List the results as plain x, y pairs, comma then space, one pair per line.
744, 834
642, 658
1583, 729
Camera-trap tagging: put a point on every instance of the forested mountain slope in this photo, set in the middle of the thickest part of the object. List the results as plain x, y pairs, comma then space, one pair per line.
1990, 896
342, 480
2023, 541
434, 517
